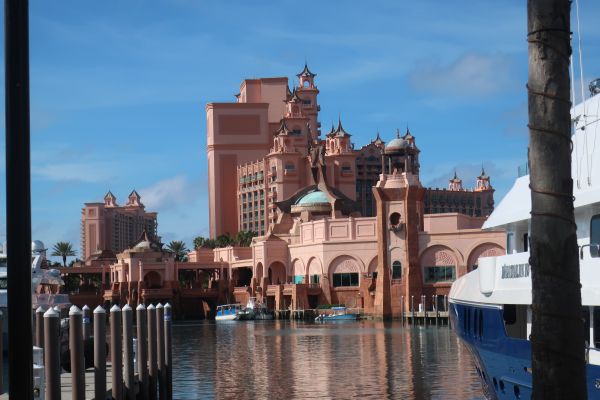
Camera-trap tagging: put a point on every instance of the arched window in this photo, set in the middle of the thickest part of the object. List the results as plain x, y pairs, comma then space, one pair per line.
396, 270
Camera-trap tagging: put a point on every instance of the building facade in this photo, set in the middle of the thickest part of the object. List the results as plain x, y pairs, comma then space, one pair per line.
263, 140
109, 227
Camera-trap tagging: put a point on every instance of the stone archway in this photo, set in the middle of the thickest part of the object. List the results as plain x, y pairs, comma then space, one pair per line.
372, 269
344, 271
298, 271
483, 250
258, 272
439, 264
153, 280
314, 271
277, 274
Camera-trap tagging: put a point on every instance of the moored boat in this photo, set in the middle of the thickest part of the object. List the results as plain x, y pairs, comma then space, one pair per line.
227, 312
338, 314
490, 307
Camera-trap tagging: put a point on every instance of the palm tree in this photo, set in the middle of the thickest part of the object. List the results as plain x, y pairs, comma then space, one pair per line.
199, 242
244, 238
64, 250
178, 248
224, 240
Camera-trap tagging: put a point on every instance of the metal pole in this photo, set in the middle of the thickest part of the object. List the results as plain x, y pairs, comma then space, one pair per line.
160, 353
76, 350
87, 322
39, 327
168, 352
51, 355
152, 367
142, 350
18, 198
99, 353
116, 355
412, 308
128, 352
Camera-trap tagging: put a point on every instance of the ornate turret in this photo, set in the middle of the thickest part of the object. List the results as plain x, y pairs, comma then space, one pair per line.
306, 77
401, 155
483, 182
133, 200
110, 200
455, 184
378, 142
338, 141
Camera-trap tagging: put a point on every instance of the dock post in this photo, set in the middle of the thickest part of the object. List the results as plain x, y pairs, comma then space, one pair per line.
39, 327
412, 308
76, 353
160, 349
127, 314
52, 354
168, 352
87, 322
152, 367
99, 353
116, 355
142, 350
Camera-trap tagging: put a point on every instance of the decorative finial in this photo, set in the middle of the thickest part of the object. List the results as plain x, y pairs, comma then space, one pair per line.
397, 133
455, 176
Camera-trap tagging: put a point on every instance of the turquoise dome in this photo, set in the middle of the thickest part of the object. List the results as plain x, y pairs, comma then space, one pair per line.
313, 198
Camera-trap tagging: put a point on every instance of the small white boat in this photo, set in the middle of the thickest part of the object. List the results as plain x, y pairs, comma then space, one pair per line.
339, 314
254, 310
227, 312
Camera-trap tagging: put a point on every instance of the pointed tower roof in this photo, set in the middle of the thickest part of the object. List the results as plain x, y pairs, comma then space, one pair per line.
306, 72
134, 198
340, 130
288, 92
378, 140
110, 199
332, 131
109, 195
295, 98
283, 129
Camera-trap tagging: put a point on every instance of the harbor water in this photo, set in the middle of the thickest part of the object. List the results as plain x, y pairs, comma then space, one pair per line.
297, 360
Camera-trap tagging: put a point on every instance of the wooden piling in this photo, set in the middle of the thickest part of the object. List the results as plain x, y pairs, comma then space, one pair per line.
160, 350
152, 366
52, 354
142, 350
39, 327
76, 353
116, 355
99, 353
87, 322
128, 375
168, 351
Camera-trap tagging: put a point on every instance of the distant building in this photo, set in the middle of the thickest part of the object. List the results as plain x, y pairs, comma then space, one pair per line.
477, 202
109, 227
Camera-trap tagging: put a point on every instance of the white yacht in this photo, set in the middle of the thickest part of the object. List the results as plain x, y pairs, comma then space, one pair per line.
490, 307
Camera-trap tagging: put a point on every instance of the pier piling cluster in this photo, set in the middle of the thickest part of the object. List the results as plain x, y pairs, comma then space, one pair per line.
140, 367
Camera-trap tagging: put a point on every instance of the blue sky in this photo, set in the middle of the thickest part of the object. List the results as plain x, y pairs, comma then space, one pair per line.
118, 90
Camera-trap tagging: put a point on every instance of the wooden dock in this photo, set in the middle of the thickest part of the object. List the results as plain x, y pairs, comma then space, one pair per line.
65, 385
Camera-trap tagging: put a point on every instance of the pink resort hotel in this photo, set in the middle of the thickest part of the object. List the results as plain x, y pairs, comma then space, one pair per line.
336, 224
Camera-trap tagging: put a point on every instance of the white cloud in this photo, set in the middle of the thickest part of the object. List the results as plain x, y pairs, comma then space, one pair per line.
471, 74
166, 193
84, 172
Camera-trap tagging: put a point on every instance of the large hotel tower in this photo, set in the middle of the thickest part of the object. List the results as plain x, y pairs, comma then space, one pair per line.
258, 154
108, 226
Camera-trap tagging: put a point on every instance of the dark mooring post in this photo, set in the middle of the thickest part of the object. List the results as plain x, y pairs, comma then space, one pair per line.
128, 374
99, 353
116, 353
557, 335
160, 350
168, 352
39, 327
18, 198
152, 367
76, 350
51, 354
142, 350
87, 322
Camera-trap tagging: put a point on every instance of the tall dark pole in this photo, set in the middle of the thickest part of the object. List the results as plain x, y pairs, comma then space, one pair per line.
18, 198
557, 337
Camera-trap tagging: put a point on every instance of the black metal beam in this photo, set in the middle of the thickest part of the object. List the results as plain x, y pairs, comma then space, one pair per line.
18, 198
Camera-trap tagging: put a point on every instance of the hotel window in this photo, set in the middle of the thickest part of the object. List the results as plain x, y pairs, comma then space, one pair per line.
444, 273
396, 270
346, 168
296, 132
345, 279
290, 167
595, 235
315, 279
